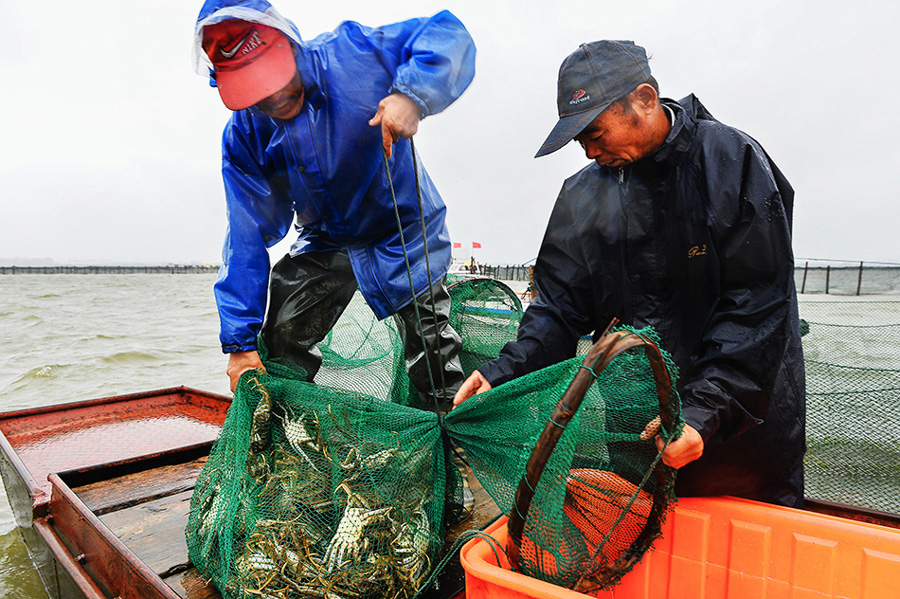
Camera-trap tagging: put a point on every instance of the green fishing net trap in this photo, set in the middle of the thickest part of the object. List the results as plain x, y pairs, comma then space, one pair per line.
344, 488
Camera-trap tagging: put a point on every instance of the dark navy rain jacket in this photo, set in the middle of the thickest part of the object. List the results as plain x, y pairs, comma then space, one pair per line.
694, 240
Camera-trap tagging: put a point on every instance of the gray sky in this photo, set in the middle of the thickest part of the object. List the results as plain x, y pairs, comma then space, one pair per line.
110, 143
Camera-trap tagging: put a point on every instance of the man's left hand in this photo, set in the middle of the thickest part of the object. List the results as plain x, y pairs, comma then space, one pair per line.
684, 450
476, 384
398, 117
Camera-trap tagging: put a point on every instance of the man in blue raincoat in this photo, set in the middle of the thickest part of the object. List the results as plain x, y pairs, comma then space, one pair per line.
684, 224
315, 125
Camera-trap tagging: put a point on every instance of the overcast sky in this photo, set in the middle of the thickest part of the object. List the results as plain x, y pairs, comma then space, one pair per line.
110, 143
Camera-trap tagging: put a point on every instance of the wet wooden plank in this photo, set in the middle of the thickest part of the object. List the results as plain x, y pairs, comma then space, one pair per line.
154, 531
451, 582
132, 489
485, 511
191, 585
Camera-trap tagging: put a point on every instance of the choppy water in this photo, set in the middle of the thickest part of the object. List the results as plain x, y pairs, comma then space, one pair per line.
69, 338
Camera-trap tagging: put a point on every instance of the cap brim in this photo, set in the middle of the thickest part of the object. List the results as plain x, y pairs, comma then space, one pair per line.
566, 128
248, 85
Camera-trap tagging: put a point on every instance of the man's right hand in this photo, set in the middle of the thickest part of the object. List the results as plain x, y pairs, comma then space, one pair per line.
239, 363
399, 117
684, 450
474, 385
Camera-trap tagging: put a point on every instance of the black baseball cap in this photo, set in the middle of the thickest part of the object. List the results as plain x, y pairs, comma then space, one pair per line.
590, 79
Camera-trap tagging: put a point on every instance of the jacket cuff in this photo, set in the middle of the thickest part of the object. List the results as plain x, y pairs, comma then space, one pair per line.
704, 420
495, 373
402, 89
230, 348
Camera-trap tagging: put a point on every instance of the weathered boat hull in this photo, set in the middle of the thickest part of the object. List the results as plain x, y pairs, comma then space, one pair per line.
57, 582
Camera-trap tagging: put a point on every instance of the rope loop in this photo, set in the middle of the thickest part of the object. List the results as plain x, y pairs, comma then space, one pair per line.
556, 424
412, 288
591, 370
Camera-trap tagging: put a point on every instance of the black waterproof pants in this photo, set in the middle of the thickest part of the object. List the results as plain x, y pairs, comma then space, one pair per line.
309, 292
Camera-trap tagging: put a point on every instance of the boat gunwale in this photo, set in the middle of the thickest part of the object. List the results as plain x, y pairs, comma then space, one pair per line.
63, 497
35, 492
79, 576
846, 511
181, 391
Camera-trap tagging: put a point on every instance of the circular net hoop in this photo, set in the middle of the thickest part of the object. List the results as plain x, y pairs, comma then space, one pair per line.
595, 491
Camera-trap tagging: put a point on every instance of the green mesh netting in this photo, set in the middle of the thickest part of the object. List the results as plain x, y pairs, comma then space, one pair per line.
852, 407
343, 489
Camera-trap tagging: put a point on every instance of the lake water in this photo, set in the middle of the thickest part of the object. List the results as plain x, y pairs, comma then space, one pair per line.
75, 337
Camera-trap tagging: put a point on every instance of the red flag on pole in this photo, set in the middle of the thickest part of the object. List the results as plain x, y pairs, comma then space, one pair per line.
457, 245
475, 244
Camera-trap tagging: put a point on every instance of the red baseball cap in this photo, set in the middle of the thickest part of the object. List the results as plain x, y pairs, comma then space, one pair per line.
252, 61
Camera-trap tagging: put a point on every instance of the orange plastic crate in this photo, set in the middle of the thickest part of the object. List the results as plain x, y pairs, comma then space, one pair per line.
725, 548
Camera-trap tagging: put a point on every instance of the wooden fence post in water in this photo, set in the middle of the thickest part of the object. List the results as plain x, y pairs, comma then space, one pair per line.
805, 270
859, 280
827, 278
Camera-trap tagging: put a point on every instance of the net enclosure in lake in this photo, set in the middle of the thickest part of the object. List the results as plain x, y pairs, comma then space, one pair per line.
851, 349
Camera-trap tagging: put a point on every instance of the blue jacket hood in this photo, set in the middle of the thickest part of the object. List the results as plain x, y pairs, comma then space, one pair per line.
254, 11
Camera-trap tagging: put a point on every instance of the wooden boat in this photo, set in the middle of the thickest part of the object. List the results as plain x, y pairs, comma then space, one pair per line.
101, 490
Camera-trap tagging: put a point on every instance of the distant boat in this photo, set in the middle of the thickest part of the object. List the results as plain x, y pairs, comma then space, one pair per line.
465, 268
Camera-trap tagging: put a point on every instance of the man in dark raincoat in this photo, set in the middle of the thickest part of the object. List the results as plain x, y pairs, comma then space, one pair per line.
305, 143
684, 224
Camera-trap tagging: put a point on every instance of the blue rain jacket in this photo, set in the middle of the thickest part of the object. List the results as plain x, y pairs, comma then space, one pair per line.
694, 240
324, 169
